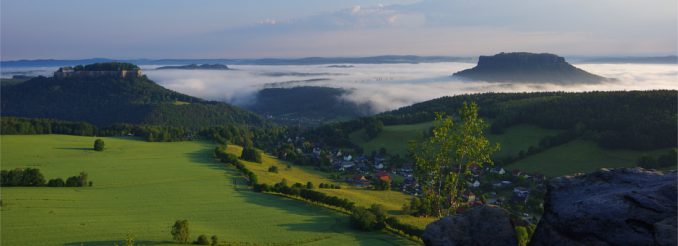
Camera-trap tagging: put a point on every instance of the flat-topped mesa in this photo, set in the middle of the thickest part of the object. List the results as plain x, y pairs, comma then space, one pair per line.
527, 67
108, 69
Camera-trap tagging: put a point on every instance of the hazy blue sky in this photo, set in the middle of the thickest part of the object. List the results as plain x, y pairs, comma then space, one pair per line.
69, 29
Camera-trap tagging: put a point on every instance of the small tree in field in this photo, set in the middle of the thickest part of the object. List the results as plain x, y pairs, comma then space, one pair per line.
99, 145
180, 231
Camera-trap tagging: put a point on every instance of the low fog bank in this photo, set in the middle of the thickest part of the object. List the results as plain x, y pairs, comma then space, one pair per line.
390, 86
382, 86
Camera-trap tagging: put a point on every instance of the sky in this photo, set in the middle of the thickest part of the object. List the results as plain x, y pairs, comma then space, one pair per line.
128, 29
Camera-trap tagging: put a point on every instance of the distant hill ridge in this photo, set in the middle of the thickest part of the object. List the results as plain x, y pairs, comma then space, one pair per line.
105, 100
527, 67
198, 67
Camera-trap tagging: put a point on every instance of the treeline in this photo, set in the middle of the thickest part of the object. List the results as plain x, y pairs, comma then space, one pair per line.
32, 177
638, 120
266, 138
306, 192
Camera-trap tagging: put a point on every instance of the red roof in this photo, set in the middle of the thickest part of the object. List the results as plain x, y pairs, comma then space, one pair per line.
384, 176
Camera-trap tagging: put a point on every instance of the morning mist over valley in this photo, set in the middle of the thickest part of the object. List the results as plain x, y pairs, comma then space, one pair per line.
397, 122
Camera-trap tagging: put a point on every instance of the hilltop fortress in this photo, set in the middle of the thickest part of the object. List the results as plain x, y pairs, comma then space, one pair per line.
109, 69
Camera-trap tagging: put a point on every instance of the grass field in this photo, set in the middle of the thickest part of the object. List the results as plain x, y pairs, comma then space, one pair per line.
580, 156
142, 188
391, 200
395, 138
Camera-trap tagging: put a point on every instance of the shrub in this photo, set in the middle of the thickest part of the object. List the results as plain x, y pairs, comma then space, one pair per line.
22, 177
202, 240
273, 169
99, 145
309, 185
364, 219
57, 182
215, 240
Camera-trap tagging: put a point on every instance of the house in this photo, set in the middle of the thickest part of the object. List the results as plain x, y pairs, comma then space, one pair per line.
359, 180
498, 170
469, 196
520, 195
348, 158
475, 184
383, 176
379, 166
346, 165
521, 191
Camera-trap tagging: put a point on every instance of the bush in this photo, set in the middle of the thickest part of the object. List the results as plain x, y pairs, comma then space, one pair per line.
57, 182
202, 240
22, 177
273, 169
309, 185
215, 240
363, 219
99, 145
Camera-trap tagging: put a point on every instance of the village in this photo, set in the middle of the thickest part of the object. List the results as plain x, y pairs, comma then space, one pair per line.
520, 192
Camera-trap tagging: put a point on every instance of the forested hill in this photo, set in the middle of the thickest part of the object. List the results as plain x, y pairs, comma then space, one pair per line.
306, 105
638, 120
106, 100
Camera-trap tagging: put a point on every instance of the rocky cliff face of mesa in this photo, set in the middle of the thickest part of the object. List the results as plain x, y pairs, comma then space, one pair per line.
626, 206
527, 67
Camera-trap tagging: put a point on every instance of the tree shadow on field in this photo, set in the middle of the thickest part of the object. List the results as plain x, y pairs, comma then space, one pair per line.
117, 242
74, 148
206, 157
319, 219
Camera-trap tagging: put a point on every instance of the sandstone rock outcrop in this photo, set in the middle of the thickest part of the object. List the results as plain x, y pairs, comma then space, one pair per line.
629, 206
483, 225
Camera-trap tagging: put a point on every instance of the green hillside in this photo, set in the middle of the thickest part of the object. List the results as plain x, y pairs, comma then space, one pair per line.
141, 188
580, 156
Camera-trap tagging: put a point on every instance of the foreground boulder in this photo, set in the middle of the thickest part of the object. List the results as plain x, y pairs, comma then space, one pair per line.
483, 225
630, 206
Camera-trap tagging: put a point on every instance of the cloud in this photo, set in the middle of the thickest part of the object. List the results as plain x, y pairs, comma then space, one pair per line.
390, 86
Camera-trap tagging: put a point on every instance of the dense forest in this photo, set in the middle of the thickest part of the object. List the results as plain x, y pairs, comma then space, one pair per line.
638, 120
105, 101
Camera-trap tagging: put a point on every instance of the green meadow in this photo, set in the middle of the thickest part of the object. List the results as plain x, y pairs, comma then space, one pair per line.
580, 156
141, 188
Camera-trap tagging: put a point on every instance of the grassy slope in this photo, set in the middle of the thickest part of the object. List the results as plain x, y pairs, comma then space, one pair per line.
395, 138
580, 156
392, 200
142, 188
